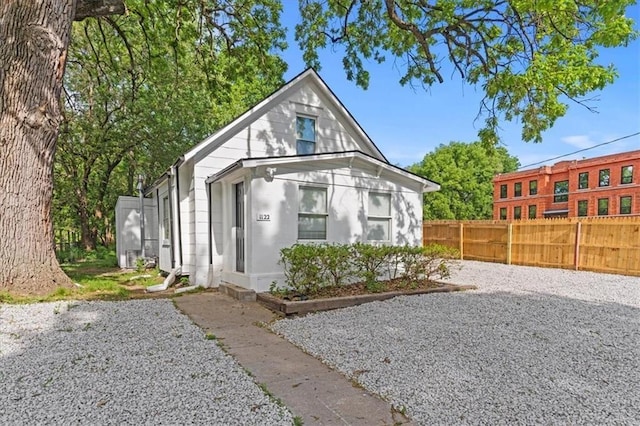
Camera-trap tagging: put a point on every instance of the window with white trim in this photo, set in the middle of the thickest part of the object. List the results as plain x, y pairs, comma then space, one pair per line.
312, 213
305, 135
379, 217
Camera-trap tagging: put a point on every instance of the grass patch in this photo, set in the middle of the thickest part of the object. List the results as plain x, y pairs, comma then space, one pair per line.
97, 278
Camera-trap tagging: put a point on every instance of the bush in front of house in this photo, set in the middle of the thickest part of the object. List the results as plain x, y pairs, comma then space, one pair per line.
311, 267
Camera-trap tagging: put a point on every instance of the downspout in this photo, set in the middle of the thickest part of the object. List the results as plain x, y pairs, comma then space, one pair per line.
209, 202
171, 233
177, 168
141, 196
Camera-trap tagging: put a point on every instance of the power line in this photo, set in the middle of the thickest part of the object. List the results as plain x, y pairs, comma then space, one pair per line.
580, 150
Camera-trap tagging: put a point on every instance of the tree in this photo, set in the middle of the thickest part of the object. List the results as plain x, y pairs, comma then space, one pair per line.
34, 42
465, 173
530, 57
128, 110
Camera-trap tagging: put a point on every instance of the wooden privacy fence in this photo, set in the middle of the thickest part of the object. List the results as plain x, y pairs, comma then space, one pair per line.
609, 244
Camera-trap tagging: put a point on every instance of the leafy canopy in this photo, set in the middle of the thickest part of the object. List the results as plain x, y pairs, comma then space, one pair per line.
465, 173
531, 57
142, 88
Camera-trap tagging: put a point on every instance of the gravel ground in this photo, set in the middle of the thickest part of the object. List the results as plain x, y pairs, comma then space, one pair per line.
134, 362
530, 346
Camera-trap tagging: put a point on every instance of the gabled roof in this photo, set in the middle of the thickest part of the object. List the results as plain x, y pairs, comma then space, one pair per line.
294, 163
308, 76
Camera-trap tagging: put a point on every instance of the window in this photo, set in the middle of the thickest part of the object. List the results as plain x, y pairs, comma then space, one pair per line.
379, 219
603, 206
517, 212
166, 219
533, 187
626, 174
533, 211
503, 213
305, 135
583, 205
517, 189
312, 213
603, 177
583, 180
561, 191
625, 205
503, 191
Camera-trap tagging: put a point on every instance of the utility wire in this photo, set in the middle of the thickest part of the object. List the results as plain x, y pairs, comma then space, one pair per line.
580, 150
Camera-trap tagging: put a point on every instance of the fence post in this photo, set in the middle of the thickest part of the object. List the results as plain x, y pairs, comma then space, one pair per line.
509, 235
461, 245
576, 251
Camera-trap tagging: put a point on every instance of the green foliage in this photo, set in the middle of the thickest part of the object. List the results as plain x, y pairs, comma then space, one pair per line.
334, 262
431, 262
302, 270
310, 267
144, 87
370, 262
465, 173
529, 57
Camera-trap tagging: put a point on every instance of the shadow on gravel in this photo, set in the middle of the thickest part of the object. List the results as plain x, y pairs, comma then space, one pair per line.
134, 362
487, 358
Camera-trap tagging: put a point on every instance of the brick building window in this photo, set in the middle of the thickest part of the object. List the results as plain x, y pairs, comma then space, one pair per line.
533, 187
533, 211
561, 191
604, 177
626, 174
625, 205
503, 213
517, 212
582, 207
517, 189
583, 180
603, 206
503, 191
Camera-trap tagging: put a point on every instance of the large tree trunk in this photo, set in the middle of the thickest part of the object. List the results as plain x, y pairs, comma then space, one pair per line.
34, 37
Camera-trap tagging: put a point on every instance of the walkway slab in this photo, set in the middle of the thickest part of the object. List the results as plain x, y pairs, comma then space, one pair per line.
310, 389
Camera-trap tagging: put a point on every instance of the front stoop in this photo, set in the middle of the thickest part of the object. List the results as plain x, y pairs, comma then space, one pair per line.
286, 307
239, 293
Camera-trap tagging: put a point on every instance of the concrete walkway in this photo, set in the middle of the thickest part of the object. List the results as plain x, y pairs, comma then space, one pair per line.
311, 390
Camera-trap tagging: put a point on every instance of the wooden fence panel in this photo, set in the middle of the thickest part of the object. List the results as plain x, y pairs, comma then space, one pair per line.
601, 244
485, 242
610, 247
548, 244
446, 234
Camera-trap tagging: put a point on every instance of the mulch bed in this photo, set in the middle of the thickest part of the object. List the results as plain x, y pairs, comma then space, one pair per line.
360, 288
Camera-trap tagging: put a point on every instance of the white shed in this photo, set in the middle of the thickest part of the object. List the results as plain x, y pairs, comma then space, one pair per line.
128, 238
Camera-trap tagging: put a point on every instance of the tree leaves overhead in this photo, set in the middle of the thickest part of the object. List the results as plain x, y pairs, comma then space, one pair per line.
531, 57
465, 173
142, 88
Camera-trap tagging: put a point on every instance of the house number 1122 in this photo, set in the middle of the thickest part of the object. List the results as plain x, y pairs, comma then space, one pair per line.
264, 217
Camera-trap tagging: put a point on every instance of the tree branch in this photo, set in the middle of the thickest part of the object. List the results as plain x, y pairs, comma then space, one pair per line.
96, 8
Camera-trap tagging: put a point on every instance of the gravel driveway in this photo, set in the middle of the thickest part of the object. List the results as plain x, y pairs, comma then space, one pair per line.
135, 362
531, 346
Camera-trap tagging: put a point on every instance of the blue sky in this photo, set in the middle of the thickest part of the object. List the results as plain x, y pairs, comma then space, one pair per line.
407, 123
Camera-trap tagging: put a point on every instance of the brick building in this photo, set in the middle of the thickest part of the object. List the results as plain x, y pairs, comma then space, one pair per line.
600, 186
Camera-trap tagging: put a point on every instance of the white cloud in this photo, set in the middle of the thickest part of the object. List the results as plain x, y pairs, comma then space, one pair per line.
579, 141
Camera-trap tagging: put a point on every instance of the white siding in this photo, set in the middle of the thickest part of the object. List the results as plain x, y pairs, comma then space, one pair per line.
347, 193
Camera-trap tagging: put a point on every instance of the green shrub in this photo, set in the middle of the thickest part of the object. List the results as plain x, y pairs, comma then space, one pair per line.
301, 268
370, 261
430, 262
335, 263
309, 267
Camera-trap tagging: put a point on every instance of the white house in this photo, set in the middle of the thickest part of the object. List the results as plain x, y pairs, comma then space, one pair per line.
295, 168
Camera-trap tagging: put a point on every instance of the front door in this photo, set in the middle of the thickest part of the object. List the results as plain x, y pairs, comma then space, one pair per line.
239, 225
